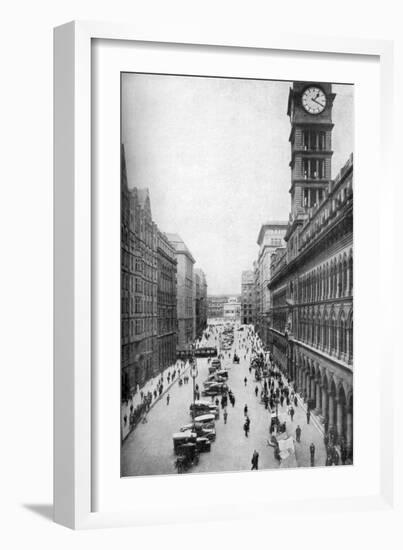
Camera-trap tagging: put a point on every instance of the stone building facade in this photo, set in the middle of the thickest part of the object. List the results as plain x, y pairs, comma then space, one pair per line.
247, 297
311, 283
271, 236
257, 301
215, 306
185, 294
166, 301
144, 312
232, 309
200, 291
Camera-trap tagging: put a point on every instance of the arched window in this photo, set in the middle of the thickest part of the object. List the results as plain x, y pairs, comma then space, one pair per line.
340, 278
350, 337
344, 286
350, 274
325, 338
333, 333
342, 334
312, 321
318, 328
334, 295
321, 283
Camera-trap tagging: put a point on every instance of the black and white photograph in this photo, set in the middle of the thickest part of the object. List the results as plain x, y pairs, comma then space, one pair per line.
236, 274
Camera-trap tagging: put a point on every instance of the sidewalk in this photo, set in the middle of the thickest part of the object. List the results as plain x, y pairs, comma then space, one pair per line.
310, 433
150, 386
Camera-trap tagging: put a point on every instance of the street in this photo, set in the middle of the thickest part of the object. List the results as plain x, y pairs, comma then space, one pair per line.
148, 450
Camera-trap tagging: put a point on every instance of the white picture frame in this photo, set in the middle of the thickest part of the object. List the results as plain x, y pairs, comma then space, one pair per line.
77, 472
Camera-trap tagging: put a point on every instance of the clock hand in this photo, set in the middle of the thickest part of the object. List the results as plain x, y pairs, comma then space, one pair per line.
318, 102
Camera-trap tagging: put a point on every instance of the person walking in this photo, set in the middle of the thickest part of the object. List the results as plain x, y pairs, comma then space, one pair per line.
256, 390
298, 434
245, 380
312, 453
295, 401
246, 429
245, 410
292, 413
255, 460
308, 416
225, 416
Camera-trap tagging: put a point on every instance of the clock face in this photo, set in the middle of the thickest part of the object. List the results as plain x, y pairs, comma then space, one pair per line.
313, 100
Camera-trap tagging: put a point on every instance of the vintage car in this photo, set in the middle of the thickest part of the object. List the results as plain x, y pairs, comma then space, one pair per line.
200, 430
223, 373
182, 438
188, 455
205, 407
207, 420
217, 388
203, 445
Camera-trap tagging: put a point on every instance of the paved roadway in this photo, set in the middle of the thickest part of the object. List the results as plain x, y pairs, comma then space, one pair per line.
149, 449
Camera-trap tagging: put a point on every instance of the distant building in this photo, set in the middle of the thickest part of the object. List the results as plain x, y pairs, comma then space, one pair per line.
271, 236
200, 292
185, 293
247, 297
224, 306
215, 306
232, 309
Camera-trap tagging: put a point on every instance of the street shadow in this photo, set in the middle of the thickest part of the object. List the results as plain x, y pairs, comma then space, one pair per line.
44, 510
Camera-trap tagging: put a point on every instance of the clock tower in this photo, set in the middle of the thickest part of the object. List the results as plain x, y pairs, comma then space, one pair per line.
310, 111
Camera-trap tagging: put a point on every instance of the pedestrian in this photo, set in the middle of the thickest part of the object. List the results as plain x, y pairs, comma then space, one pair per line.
295, 401
225, 416
308, 416
245, 410
217, 402
255, 460
168, 399
292, 413
256, 390
246, 429
298, 434
312, 453
245, 380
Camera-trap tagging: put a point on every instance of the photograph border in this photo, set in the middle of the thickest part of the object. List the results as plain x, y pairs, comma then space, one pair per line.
73, 289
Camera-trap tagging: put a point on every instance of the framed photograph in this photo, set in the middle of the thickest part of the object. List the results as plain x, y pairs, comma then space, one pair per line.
215, 281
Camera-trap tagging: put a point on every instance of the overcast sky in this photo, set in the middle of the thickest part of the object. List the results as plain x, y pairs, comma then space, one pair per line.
214, 154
